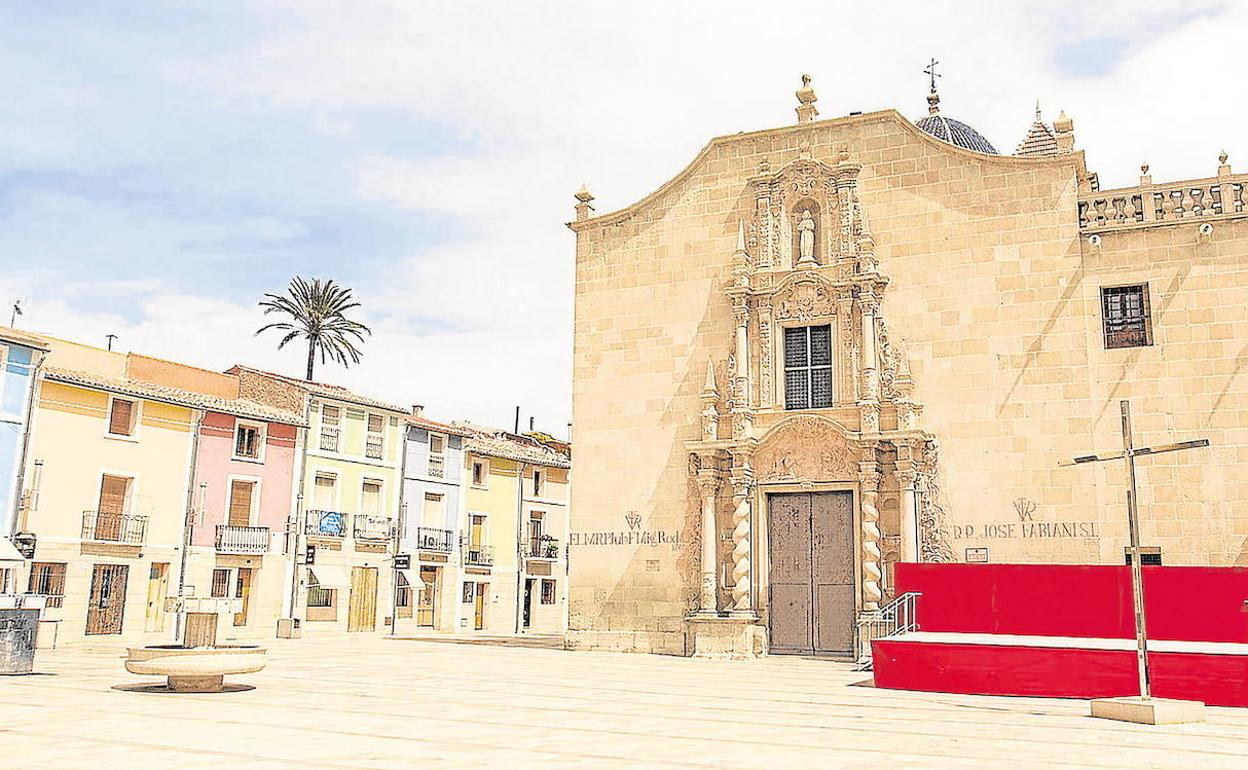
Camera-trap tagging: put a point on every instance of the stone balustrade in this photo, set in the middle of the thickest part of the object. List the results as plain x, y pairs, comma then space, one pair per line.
1225, 195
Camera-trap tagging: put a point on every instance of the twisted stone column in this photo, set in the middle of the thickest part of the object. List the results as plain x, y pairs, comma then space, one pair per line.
741, 555
872, 573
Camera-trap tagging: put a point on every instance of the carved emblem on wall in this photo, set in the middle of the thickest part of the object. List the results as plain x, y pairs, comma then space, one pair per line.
804, 300
806, 448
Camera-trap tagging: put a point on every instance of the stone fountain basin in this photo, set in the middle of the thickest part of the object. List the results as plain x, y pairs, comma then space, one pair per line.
195, 669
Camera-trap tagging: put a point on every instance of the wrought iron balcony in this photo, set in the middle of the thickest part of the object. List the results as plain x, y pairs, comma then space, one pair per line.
430, 539
544, 547
372, 527
104, 527
325, 524
235, 539
478, 555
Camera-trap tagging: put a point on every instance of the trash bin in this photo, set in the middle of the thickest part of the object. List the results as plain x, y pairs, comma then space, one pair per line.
18, 629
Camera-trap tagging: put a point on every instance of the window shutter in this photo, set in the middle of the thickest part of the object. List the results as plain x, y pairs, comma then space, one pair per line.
372, 498
119, 422
325, 492
113, 491
240, 503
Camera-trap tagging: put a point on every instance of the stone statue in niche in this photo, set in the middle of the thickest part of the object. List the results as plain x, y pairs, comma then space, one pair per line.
806, 237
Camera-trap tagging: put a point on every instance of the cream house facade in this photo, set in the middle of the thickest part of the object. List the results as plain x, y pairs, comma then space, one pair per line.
825, 348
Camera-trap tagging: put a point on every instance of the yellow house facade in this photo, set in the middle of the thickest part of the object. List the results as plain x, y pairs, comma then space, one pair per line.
513, 552
108, 496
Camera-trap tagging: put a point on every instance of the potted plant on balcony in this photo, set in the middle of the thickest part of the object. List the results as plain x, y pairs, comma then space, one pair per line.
549, 547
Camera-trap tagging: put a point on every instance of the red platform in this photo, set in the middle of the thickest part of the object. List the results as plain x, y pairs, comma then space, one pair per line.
1068, 631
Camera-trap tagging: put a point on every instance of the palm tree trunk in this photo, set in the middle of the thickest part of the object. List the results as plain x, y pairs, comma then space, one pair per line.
311, 357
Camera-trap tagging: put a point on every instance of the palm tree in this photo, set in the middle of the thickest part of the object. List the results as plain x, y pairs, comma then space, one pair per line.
317, 312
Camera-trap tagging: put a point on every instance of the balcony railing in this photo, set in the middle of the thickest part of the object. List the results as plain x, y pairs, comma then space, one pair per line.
235, 539
1223, 196
372, 528
544, 547
437, 466
114, 527
325, 524
478, 555
430, 539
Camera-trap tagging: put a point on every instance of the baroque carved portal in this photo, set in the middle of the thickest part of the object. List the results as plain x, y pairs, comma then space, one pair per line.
804, 300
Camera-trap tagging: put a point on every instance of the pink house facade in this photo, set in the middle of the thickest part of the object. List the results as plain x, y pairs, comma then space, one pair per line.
244, 490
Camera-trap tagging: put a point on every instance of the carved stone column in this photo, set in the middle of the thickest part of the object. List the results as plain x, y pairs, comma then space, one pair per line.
872, 571
708, 485
741, 417
907, 477
765, 389
742, 536
869, 303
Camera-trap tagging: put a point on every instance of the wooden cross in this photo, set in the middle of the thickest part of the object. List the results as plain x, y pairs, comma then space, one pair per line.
1129, 453
930, 70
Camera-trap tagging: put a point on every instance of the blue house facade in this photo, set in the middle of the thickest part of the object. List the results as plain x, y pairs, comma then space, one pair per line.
433, 494
20, 355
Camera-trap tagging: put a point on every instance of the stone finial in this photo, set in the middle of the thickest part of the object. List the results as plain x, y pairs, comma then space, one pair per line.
1143, 168
583, 198
806, 110
1224, 168
933, 103
1145, 179
740, 236
1064, 131
709, 388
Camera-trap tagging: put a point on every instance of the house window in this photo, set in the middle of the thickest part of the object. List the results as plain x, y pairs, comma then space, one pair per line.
437, 455
330, 418
370, 503
548, 592
1126, 316
375, 441
536, 530
434, 513
537, 483
248, 440
220, 583
470, 590
242, 496
317, 596
808, 367
479, 473
121, 417
48, 579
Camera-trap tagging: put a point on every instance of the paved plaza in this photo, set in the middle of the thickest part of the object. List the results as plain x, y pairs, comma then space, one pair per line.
370, 702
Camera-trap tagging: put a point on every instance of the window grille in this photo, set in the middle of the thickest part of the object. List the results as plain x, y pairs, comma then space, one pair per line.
1126, 316
808, 367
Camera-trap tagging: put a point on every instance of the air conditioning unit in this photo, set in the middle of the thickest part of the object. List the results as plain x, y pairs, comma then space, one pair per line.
289, 628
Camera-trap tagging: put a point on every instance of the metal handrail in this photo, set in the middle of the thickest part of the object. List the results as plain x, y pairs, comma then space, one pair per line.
104, 527
478, 555
372, 527
433, 539
896, 617
544, 547
325, 523
232, 538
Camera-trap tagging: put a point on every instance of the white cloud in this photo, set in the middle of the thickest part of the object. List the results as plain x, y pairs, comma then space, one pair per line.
545, 95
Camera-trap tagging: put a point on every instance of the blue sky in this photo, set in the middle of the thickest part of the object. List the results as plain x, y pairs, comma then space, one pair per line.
164, 164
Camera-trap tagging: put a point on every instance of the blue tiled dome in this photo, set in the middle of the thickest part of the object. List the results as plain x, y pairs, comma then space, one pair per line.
956, 132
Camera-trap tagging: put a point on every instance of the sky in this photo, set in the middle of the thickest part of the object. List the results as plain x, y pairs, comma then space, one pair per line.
164, 165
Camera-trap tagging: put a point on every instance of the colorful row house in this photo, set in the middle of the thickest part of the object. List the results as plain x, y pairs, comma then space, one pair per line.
138, 490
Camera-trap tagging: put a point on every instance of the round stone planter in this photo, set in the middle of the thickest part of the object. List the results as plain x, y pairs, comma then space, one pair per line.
195, 669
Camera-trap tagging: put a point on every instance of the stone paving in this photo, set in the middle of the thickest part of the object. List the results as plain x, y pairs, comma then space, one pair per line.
371, 702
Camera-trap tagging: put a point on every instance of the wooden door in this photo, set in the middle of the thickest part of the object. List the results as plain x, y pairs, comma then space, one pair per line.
157, 590
811, 577
107, 606
362, 608
479, 606
427, 598
114, 493
242, 590
240, 503
527, 610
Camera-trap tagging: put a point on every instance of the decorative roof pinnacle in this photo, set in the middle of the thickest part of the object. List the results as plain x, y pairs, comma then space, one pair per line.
806, 110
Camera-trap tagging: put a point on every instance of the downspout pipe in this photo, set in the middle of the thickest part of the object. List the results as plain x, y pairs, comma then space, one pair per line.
297, 512
18, 523
188, 522
520, 541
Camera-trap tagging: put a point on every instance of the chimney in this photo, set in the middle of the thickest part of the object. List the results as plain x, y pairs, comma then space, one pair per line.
516, 427
531, 418
417, 409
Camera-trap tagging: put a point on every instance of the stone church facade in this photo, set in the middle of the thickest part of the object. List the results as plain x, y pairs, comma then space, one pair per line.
825, 348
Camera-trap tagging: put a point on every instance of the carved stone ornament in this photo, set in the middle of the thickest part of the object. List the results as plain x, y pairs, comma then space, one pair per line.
804, 300
806, 448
